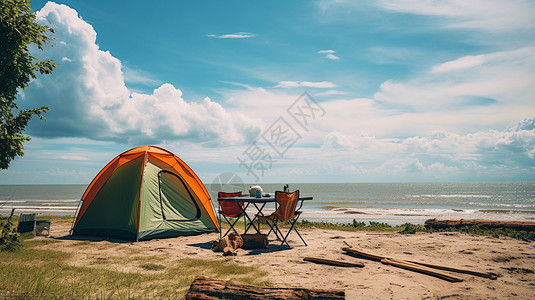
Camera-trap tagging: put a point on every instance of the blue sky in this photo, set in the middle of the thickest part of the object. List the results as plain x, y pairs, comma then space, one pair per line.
288, 91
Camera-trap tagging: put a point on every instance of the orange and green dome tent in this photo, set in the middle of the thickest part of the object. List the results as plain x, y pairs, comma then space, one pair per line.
145, 193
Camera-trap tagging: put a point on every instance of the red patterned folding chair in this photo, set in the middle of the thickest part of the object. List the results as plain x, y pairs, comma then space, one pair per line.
230, 210
287, 203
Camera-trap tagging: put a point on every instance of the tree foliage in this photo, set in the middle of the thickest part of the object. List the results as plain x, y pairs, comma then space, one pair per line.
18, 30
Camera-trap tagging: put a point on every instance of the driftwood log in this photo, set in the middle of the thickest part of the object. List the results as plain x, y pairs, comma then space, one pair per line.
228, 244
420, 269
488, 275
417, 263
331, 262
364, 254
207, 288
255, 241
518, 225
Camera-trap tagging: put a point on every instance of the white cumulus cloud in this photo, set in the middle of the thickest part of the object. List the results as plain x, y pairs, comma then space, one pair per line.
88, 97
440, 155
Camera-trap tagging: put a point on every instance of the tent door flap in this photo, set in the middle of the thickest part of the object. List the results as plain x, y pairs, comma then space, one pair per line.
176, 200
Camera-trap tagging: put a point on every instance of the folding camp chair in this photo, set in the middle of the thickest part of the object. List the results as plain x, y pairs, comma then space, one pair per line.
231, 211
287, 202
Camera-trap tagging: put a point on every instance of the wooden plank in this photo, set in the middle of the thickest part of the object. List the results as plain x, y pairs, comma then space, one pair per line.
208, 288
445, 268
420, 269
488, 275
364, 254
519, 225
333, 262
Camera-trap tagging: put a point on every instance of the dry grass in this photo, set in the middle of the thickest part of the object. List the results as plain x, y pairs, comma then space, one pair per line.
50, 269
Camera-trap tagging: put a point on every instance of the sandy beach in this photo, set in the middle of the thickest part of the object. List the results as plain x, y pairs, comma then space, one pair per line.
513, 260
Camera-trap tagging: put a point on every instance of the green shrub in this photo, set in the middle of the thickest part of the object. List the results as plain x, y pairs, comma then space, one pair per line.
379, 225
494, 232
410, 228
358, 224
9, 239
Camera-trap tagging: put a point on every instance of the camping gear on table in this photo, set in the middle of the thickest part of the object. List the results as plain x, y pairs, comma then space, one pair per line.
144, 193
255, 190
286, 188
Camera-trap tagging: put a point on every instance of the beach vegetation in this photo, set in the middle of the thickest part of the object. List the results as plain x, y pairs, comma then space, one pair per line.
353, 226
152, 267
10, 240
42, 271
409, 228
524, 235
19, 31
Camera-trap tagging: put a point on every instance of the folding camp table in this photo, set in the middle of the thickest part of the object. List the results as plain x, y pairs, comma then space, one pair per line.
259, 204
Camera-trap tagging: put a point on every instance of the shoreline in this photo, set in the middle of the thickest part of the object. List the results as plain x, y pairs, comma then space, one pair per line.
391, 203
391, 216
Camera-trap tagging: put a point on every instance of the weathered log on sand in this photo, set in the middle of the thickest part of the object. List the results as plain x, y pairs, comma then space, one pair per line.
445, 268
420, 269
364, 254
207, 288
403, 264
519, 225
331, 262
255, 241
228, 244
488, 275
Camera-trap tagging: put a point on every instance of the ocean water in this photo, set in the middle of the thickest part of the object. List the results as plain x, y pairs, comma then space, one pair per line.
392, 203
41, 199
